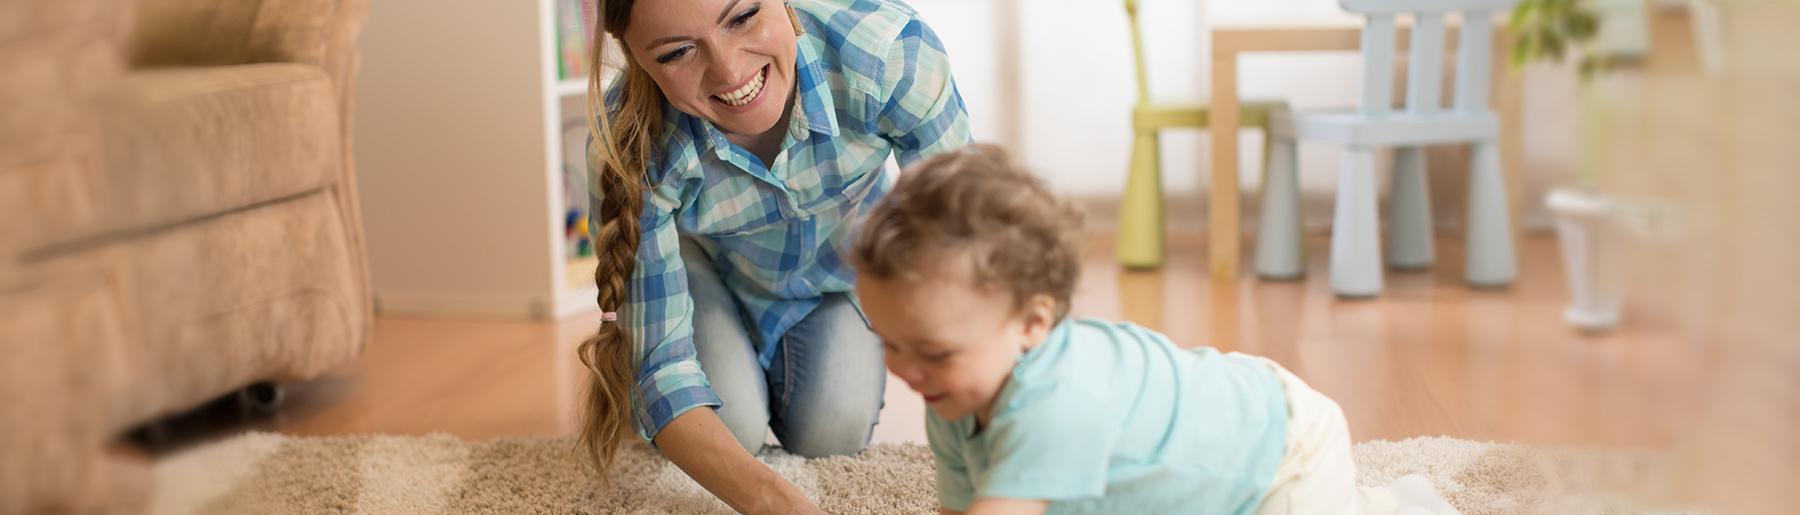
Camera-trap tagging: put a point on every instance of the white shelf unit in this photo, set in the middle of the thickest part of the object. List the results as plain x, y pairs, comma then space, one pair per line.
571, 87
460, 152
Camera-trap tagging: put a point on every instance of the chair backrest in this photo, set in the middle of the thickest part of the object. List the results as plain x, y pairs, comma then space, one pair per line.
1137, 51
1425, 55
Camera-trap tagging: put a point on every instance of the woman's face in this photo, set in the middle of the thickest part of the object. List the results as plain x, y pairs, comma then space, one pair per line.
728, 61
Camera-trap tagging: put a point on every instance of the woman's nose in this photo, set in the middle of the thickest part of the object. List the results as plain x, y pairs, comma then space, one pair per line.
725, 66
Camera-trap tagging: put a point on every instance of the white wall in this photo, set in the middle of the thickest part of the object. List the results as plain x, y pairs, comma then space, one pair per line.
1077, 89
450, 158
968, 30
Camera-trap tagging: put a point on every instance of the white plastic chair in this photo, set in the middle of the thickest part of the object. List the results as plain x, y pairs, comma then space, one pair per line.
1355, 236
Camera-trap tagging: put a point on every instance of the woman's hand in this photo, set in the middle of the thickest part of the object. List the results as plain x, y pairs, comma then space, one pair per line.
699, 443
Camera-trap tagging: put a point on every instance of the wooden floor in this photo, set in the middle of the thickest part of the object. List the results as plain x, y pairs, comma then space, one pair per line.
1429, 357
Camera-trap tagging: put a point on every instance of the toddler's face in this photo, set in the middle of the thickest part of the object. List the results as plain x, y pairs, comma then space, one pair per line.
952, 343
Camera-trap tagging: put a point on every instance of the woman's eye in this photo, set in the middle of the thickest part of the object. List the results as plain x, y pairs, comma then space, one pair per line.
937, 358
744, 18
672, 56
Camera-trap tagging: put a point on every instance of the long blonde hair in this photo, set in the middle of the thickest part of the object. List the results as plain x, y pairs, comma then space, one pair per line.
624, 135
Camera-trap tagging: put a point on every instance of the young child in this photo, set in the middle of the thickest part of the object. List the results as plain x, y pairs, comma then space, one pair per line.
965, 270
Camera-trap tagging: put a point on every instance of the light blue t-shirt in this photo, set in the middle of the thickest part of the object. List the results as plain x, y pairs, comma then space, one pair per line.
1110, 417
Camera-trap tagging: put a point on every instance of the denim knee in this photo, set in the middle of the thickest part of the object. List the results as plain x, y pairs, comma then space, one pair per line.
829, 432
750, 427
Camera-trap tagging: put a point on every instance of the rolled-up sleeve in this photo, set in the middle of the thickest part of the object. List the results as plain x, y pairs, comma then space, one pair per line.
659, 314
669, 379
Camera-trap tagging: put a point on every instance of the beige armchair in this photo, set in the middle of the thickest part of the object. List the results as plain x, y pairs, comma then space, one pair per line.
178, 219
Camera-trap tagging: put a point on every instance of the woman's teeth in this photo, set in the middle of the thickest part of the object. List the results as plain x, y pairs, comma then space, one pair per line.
744, 94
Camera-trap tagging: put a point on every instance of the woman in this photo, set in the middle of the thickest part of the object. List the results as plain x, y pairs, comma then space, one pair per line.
731, 158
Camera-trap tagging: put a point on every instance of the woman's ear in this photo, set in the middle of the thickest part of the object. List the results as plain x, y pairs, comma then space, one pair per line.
794, 18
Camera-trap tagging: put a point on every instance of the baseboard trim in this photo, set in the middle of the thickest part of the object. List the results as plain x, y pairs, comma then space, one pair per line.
396, 301
579, 301
1187, 212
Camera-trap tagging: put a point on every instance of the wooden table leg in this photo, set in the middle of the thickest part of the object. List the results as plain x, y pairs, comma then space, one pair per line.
1224, 232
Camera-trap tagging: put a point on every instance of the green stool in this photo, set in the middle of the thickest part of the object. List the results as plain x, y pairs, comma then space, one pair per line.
1141, 213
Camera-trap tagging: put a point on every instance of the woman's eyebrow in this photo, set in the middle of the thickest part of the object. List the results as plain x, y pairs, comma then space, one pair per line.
668, 39
726, 12
671, 39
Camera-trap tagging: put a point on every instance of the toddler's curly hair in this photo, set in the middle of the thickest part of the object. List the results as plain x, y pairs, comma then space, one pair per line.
977, 206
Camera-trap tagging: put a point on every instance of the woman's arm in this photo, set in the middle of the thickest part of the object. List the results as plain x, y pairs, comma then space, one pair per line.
699, 443
674, 398
921, 111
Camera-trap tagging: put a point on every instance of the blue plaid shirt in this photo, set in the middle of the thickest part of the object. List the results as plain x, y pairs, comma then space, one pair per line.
871, 80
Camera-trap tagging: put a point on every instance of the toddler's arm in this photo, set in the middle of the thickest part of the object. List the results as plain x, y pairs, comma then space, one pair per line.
998, 506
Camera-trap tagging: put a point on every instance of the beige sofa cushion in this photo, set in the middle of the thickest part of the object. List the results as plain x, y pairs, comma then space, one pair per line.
63, 335
184, 143
113, 335
165, 235
212, 32
57, 56
264, 294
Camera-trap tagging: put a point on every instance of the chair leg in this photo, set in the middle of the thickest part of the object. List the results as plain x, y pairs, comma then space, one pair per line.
1355, 232
1278, 240
1141, 214
1409, 212
1490, 258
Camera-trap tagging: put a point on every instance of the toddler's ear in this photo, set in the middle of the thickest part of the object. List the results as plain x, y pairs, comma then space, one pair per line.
1040, 318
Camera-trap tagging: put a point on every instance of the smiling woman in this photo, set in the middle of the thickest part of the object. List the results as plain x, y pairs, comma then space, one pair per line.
733, 67
733, 153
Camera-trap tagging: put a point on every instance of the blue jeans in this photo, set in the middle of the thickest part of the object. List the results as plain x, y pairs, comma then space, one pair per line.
822, 393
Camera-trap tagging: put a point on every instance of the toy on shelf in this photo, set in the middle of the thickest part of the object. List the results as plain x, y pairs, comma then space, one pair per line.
575, 232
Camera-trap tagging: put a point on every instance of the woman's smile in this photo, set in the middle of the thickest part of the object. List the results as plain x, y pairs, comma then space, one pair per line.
744, 96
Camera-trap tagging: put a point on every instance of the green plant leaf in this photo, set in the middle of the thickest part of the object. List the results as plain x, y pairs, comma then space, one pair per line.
1555, 30
1555, 46
1583, 26
1532, 44
1588, 67
1521, 12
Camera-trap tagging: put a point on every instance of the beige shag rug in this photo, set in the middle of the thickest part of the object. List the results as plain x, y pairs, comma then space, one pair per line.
268, 473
